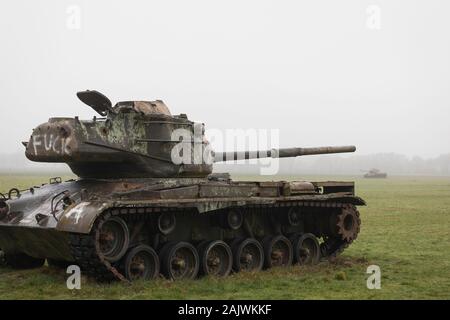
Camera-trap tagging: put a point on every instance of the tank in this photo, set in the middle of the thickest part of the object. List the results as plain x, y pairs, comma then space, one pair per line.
147, 202
375, 173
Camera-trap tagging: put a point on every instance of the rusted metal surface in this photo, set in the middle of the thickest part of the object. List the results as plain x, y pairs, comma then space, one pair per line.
135, 140
20, 230
299, 187
100, 195
150, 107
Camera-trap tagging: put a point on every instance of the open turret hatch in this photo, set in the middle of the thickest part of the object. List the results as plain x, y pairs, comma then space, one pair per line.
102, 105
96, 100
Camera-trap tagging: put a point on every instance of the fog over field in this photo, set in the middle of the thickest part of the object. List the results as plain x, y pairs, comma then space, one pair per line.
392, 163
375, 74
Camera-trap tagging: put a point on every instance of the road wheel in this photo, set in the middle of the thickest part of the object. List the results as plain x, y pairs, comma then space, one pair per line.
113, 238
179, 260
23, 261
248, 255
277, 251
216, 258
141, 263
306, 249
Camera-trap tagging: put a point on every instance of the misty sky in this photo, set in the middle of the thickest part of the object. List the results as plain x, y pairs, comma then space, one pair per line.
317, 70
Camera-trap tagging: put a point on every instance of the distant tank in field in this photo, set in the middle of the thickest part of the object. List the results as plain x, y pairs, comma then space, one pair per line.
375, 173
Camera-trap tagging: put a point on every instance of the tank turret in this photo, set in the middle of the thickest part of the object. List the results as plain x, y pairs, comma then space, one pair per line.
137, 139
130, 139
375, 173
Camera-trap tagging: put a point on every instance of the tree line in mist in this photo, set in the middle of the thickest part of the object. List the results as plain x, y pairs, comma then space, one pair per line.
392, 163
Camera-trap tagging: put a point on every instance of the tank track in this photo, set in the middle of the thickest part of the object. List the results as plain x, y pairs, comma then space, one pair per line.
83, 246
86, 255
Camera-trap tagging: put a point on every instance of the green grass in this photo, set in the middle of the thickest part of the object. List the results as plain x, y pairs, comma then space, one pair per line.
405, 230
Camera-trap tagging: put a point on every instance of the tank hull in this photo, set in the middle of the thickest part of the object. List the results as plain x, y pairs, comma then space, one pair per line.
63, 221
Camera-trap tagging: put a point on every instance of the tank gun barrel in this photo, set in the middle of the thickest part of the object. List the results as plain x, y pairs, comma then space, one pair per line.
279, 153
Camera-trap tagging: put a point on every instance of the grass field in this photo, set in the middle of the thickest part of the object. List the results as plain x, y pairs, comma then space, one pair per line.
405, 230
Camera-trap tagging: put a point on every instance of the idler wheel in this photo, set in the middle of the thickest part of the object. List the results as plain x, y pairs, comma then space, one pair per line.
277, 251
248, 255
23, 261
216, 258
179, 261
141, 263
112, 239
306, 249
167, 223
348, 224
